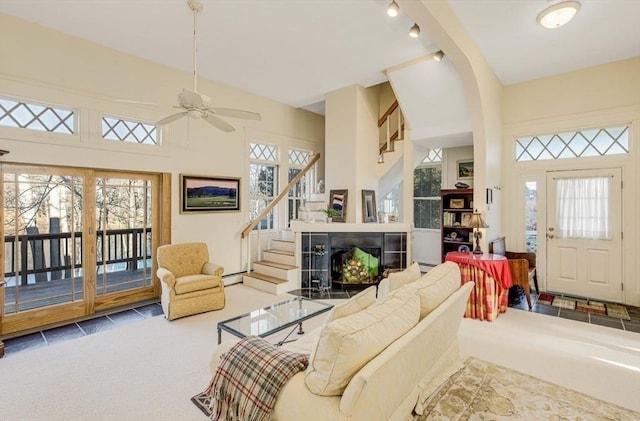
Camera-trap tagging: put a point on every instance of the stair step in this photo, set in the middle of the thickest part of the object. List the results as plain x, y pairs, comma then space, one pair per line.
267, 278
282, 266
266, 283
285, 245
279, 256
284, 252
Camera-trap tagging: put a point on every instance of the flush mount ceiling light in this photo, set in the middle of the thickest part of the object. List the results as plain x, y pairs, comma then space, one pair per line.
414, 31
438, 55
558, 15
393, 9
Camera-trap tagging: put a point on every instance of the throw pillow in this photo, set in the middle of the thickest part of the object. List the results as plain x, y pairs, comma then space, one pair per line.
434, 287
348, 344
357, 303
410, 274
396, 280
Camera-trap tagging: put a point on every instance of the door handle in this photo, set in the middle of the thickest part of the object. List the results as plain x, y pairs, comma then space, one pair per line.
549, 236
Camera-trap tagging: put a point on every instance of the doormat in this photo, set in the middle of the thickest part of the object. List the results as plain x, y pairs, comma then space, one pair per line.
545, 298
562, 302
594, 307
617, 310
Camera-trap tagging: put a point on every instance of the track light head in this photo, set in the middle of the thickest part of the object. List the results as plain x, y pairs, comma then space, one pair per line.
414, 31
438, 55
393, 9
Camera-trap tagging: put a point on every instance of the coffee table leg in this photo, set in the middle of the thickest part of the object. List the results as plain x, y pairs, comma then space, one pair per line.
219, 336
300, 331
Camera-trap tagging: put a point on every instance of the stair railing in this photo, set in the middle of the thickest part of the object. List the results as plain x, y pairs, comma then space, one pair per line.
282, 195
386, 119
245, 233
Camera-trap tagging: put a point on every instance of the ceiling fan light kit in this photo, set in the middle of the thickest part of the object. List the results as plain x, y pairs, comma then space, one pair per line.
196, 105
558, 14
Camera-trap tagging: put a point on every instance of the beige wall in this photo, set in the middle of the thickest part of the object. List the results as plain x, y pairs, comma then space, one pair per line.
594, 97
44, 65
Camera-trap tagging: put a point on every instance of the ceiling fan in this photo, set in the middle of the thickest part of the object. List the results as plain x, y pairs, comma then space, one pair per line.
196, 105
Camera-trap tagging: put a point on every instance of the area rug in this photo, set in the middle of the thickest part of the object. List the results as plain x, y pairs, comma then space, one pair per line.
485, 391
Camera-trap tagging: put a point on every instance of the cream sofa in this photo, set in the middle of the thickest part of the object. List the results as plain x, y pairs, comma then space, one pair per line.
392, 384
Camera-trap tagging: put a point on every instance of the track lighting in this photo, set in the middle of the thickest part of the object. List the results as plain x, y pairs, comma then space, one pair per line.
393, 9
438, 55
414, 31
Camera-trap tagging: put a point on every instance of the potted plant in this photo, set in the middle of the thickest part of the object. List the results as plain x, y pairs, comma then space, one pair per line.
330, 212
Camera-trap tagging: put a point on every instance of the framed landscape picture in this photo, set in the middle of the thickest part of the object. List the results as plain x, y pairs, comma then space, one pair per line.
465, 169
209, 194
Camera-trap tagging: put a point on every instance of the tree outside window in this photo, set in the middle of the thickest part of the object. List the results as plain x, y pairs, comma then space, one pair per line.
427, 183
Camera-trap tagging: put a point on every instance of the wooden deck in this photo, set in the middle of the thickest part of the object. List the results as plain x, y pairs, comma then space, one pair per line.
66, 290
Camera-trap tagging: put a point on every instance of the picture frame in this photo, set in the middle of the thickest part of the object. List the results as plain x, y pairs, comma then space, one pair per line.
338, 202
465, 169
456, 203
369, 211
200, 193
465, 220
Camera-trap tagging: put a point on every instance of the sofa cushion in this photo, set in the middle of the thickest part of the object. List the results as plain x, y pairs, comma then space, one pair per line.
396, 280
190, 283
348, 344
434, 287
358, 302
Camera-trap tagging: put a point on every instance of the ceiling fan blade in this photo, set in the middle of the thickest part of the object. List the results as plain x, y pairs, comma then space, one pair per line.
172, 117
230, 112
218, 123
191, 99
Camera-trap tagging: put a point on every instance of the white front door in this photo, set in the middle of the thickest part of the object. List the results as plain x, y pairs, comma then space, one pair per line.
584, 238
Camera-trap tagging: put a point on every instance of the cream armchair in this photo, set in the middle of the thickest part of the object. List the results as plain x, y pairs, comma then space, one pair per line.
190, 283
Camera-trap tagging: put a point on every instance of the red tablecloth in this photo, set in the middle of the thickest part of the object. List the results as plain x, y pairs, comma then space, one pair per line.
492, 277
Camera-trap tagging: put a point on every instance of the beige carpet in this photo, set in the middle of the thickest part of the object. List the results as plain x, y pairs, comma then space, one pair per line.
150, 369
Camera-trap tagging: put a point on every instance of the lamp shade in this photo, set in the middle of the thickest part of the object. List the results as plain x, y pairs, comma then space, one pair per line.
477, 221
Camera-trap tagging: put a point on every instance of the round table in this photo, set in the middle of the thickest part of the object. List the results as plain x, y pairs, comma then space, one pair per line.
492, 277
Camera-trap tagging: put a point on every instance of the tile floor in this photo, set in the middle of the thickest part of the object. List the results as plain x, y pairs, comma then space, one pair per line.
88, 327
79, 329
632, 325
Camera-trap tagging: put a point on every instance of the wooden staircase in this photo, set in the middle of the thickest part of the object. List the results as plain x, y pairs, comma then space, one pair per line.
276, 273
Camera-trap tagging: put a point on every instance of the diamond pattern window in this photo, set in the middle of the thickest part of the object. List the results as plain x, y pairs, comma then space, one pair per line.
578, 144
36, 117
129, 131
435, 155
262, 152
298, 158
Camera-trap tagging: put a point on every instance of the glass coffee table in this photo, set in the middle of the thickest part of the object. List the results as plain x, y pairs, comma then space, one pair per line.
269, 320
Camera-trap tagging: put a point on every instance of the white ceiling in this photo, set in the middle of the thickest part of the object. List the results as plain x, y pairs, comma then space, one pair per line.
296, 51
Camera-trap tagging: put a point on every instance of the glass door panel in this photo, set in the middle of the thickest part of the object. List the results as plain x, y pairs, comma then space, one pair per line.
124, 246
42, 239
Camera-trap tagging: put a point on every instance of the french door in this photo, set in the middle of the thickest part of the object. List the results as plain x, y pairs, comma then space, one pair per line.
76, 241
584, 244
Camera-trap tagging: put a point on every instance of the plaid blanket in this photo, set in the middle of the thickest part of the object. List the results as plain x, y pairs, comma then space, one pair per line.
249, 378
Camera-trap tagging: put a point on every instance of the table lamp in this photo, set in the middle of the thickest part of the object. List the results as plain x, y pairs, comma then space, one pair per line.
476, 223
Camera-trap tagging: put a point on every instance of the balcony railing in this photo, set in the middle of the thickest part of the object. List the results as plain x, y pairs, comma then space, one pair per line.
46, 257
